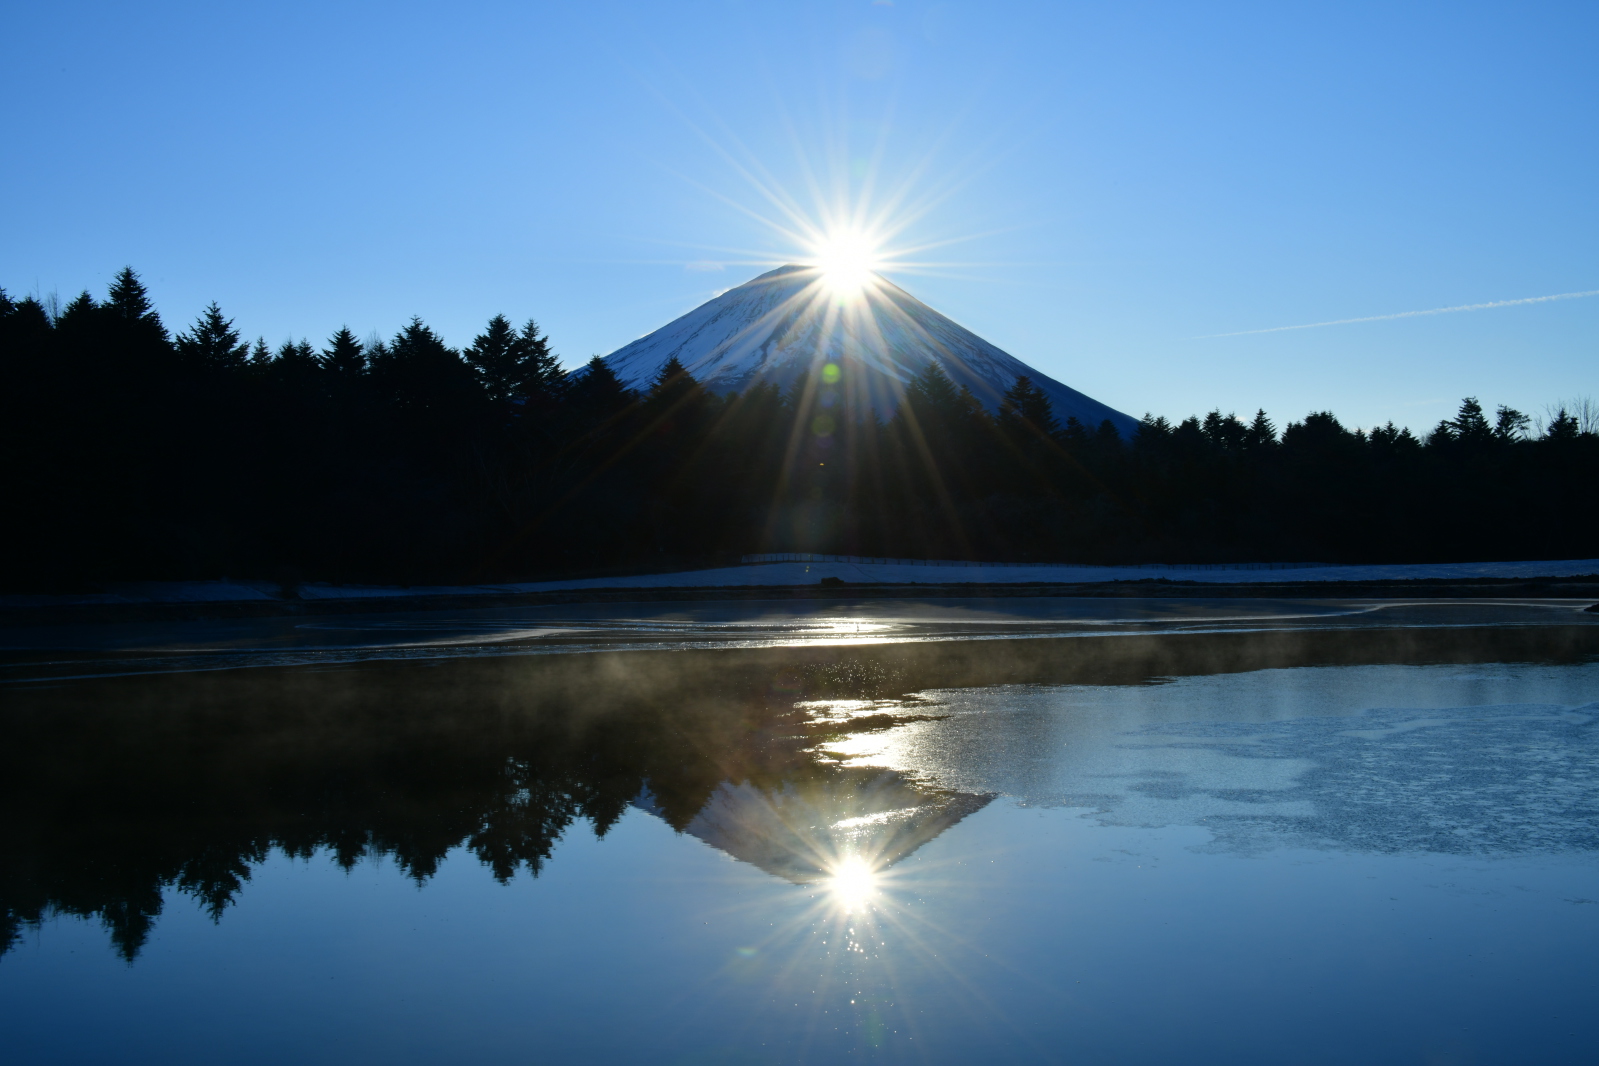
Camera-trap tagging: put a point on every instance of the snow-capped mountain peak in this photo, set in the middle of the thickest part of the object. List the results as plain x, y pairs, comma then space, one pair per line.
775, 327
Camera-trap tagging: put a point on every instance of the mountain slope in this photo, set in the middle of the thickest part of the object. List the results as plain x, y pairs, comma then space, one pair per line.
773, 328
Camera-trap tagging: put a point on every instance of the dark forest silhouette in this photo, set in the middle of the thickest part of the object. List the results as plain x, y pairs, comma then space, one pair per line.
135, 454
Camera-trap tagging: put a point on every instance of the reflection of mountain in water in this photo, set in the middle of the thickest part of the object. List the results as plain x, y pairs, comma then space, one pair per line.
800, 830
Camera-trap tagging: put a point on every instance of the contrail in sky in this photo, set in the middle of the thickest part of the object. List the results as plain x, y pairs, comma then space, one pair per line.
1409, 314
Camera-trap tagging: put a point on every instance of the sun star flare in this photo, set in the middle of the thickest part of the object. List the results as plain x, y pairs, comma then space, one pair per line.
848, 260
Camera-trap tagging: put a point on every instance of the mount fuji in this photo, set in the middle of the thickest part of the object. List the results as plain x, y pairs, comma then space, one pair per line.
773, 328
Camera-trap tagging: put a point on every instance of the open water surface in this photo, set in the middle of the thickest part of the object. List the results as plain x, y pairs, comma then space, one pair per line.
1230, 833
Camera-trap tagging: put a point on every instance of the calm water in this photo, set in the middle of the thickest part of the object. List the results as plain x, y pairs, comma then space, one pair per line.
1286, 836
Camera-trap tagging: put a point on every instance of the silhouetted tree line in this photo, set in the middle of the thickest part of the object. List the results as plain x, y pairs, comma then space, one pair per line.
133, 453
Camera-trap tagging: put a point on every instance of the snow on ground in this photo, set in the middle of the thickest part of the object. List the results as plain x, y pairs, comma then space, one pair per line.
801, 573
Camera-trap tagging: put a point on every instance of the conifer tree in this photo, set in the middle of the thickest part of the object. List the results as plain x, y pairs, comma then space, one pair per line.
22, 319
671, 373
1390, 439
129, 302
1224, 432
674, 388
931, 395
515, 367
1026, 406
296, 370
297, 358
971, 406
1261, 434
1509, 424
1470, 426
1189, 436
417, 346
539, 373
1153, 431
494, 356
597, 393
417, 371
212, 343
79, 314
1563, 426
344, 357
1074, 435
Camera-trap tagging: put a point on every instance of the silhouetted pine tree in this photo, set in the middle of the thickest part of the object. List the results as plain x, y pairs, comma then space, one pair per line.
932, 400
495, 354
130, 303
597, 393
1563, 427
1262, 433
344, 357
540, 379
418, 372
1225, 433
21, 321
297, 362
212, 343
1391, 440
1026, 407
1074, 436
673, 388
516, 367
1509, 424
1469, 426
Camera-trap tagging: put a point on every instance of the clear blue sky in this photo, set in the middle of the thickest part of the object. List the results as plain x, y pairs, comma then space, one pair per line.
1123, 180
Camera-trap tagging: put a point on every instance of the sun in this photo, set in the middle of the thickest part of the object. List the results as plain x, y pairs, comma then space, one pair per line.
848, 260
853, 883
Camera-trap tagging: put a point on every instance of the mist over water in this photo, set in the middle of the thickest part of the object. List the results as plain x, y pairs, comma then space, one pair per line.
1284, 835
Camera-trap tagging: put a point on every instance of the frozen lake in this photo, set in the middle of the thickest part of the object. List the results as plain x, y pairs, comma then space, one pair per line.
42, 652
1018, 831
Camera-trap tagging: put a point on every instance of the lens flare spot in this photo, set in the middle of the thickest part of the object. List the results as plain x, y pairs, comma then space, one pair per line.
831, 373
822, 426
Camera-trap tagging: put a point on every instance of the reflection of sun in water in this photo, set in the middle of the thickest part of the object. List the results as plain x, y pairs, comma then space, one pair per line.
847, 259
852, 883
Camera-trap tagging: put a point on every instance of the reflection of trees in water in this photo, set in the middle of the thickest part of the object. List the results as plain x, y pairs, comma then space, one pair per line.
114, 793
110, 849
